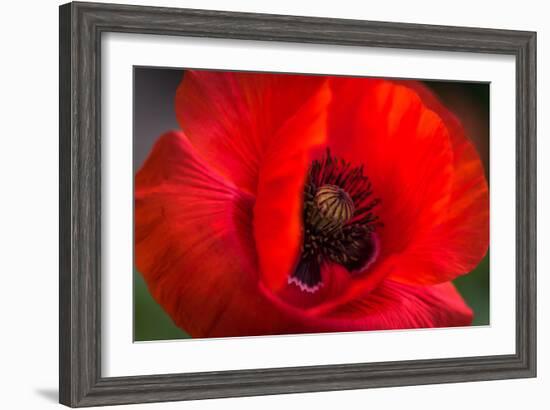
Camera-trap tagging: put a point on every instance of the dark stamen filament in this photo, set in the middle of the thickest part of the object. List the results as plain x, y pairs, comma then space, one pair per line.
338, 219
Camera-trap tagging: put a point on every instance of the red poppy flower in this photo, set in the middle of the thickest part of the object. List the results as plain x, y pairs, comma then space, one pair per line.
292, 204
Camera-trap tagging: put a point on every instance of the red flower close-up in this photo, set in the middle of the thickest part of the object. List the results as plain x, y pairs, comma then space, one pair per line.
302, 204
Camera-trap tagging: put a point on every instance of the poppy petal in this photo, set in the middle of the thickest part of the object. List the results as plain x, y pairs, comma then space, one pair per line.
428, 177
232, 117
457, 244
193, 241
405, 149
392, 305
279, 199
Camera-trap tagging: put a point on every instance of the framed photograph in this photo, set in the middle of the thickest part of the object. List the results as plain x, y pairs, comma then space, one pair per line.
261, 204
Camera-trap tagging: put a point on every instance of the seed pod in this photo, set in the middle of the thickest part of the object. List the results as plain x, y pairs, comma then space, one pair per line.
334, 204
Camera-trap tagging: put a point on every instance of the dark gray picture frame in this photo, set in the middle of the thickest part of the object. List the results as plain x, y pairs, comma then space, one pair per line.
81, 27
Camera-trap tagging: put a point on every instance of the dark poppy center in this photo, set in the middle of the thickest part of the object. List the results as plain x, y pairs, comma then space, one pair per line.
338, 221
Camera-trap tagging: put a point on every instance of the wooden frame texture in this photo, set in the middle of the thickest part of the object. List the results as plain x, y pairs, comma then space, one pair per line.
81, 27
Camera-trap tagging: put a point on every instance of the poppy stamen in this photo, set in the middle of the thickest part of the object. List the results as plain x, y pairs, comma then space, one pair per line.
338, 219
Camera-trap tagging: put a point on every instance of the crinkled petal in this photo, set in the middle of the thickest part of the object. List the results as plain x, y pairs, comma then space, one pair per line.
399, 306
429, 178
231, 118
457, 244
194, 244
405, 149
392, 305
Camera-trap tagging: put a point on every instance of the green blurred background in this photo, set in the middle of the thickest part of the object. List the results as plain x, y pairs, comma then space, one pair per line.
150, 320
154, 92
474, 288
